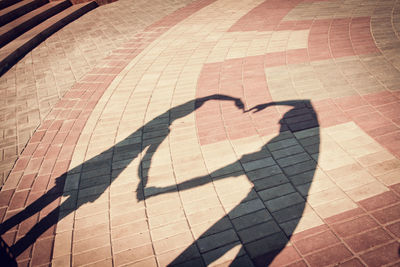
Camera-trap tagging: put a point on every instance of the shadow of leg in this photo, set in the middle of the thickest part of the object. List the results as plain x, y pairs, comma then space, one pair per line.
7, 258
29, 211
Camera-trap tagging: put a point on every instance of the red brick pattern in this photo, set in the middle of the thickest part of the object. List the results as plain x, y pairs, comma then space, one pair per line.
382, 255
328, 256
265, 17
41, 167
210, 130
367, 235
328, 37
315, 242
332, 38
354, 234
242, 78
357, 233
355, 238
374, 113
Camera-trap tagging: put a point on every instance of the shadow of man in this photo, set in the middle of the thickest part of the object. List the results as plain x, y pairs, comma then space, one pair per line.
263, 230
95, 185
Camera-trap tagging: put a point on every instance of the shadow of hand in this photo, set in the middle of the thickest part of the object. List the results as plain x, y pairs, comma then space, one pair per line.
258, 108
239, 104
152, 191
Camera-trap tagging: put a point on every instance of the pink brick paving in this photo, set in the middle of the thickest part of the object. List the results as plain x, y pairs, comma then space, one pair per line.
376, 113
33, 86
333, 38
265, 17
366, 235
47, 156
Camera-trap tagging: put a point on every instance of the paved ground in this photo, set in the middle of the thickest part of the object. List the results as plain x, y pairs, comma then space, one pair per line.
229, 132
30, 89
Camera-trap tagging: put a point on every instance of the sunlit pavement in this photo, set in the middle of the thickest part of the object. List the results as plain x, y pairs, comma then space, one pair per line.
227, 133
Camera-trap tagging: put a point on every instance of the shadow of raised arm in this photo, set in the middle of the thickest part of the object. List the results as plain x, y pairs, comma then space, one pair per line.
201, 180
71, 203
153, 191
180, 111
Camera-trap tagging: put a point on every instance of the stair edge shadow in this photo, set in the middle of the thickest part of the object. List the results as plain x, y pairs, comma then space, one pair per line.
6, 3
20, 11
32, 22
13, 58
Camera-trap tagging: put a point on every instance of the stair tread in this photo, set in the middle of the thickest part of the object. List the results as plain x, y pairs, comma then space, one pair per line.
22, 39
6, 3
9, 26
15, 6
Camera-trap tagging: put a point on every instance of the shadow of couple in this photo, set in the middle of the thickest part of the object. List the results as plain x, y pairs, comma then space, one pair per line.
262, 231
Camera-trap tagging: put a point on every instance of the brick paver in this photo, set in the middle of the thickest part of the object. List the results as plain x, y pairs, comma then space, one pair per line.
244, 133
33, 86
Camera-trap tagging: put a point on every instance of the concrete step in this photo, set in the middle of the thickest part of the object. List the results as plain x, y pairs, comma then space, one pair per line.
19, 9
19, 47
15, 28
7, 3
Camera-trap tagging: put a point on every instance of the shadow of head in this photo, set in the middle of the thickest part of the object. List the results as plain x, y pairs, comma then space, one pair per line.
89, 188
297, 115
280, 189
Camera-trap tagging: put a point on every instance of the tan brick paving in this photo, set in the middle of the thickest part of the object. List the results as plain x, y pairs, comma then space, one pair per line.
33, 86
157, 178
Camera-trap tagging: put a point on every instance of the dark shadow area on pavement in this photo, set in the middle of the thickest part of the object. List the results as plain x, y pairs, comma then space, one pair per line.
263, 231
301, 116
130, 148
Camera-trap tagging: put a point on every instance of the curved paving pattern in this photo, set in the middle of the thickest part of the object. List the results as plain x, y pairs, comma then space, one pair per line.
33, 86
222, 136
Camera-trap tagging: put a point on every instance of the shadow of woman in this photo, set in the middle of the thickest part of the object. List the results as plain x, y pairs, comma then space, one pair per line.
94, 189
265, 230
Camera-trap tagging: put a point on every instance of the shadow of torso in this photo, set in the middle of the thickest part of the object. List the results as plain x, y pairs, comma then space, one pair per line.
263, 222
87, 189
282, 200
